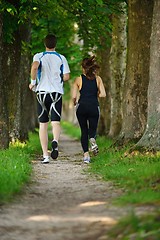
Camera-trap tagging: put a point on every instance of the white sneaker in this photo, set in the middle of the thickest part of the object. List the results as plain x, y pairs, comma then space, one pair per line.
45, 160
94, 146
87, 160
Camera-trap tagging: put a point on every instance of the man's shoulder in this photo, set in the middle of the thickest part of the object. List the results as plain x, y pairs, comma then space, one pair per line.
37, 56
61, 55
63, 58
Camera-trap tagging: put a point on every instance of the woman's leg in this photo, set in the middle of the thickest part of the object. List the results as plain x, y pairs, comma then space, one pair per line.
93, 121
82, 119
93, 124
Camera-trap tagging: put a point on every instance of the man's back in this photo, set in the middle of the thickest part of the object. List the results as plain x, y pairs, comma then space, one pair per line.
50, 71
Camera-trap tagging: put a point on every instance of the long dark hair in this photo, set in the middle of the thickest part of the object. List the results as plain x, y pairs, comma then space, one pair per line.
90, 67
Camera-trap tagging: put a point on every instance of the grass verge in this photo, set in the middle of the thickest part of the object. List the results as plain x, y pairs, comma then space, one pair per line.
15, 166
138, 174
145, 227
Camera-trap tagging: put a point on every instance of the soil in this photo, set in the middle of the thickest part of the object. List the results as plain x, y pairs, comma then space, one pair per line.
63, 202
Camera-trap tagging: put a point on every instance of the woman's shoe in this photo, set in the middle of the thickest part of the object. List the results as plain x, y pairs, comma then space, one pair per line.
87, 160
94, 146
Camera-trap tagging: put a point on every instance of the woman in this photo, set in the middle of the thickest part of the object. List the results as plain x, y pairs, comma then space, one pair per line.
90, 87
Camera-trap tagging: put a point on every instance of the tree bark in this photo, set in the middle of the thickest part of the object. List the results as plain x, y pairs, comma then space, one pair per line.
151, 137
137, 75
118, 68
25, 117
11, 70
4, 133
104, 121
20, 100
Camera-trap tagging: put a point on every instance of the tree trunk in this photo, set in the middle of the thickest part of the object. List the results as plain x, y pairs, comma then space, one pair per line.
151, 137
16, 71
118, 68
4, 134
11, 73
137, 75
25, 117
104, 121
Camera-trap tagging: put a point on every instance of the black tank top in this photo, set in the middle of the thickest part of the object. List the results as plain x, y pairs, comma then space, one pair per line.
89, 91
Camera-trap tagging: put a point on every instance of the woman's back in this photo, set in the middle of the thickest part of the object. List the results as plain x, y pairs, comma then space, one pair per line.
88, 91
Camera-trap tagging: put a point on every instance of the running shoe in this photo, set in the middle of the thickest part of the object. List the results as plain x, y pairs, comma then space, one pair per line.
45, 160
94, 146
54, 152
87, 160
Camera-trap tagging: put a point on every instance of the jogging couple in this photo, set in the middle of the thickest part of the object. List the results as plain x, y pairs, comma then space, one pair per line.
48, 72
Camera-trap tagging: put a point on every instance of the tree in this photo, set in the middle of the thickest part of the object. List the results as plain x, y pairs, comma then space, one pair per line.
4, 136
25, 99
16, 37
103, 54
137, 75
151, 136
118, 67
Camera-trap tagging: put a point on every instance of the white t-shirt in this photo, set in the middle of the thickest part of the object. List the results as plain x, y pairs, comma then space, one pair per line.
49, 79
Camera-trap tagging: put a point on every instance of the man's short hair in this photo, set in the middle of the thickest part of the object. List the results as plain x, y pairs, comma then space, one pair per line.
50, 41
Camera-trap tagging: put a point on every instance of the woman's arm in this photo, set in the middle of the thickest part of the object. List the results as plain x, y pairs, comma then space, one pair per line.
76, 88
101, 89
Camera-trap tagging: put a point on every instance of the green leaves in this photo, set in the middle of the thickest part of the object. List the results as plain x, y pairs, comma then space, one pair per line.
100, 2
92, 17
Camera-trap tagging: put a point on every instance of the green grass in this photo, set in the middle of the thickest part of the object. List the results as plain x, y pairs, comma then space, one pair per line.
15, 166
139, 228
71, 130
137, 174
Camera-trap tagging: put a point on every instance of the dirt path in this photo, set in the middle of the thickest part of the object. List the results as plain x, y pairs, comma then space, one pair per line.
62, 203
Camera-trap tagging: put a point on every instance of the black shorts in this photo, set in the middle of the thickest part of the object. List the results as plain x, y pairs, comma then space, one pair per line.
49, 106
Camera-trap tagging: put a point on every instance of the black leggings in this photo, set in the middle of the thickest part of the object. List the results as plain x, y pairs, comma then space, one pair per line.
88, 116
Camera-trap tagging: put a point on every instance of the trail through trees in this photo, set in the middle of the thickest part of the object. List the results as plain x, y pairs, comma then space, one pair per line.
63, 202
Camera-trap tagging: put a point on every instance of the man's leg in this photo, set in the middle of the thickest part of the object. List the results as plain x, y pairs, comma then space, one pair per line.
43, 135
56, 130
55, 122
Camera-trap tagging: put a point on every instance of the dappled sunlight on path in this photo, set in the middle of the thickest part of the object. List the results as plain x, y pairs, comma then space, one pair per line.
63, 201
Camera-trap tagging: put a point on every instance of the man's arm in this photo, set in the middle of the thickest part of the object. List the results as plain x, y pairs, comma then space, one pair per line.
66, 76
34, 70
66, 70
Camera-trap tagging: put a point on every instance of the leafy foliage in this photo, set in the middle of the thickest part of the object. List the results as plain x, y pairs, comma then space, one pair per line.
92, 19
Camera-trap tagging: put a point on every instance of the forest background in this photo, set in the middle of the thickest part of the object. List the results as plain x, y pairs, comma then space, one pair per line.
124, 36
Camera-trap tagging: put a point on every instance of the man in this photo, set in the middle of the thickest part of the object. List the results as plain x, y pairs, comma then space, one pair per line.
49, 70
